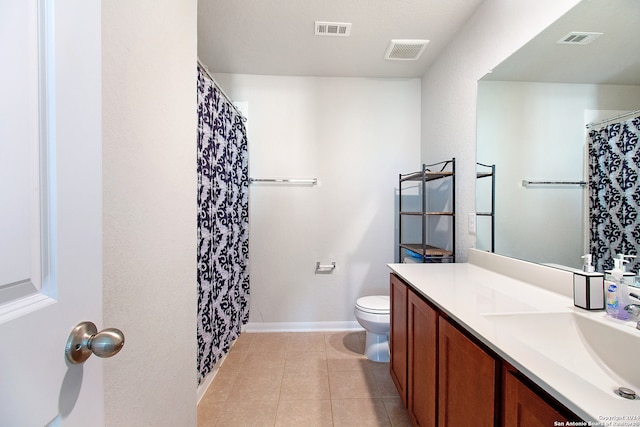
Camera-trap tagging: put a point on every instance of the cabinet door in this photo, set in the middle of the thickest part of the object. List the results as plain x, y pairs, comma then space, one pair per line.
398, 336
423, 344
467, 381
525, 408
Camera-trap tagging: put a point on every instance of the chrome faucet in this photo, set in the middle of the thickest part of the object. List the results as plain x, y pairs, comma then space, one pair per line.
634, 310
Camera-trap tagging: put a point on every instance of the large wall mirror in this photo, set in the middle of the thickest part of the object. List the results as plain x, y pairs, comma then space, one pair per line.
532, 112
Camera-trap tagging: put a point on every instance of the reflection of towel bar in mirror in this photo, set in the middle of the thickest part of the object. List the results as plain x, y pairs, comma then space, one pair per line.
311, 181
526, 183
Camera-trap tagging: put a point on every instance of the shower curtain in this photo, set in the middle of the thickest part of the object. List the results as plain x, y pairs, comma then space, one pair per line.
223, 220
614, 193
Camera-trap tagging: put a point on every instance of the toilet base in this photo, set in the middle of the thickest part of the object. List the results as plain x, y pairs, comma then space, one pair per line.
376, 347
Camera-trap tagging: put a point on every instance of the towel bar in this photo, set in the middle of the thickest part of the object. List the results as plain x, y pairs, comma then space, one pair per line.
312, 181
525, 183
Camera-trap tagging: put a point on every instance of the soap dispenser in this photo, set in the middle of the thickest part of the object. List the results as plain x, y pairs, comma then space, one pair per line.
588, 286
617, 293
628, 276
587, 265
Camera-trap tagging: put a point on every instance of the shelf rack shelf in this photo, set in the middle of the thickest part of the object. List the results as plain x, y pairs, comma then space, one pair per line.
483, 172
419, 246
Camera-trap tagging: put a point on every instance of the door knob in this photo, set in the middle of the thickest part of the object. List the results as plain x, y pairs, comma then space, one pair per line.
85, 340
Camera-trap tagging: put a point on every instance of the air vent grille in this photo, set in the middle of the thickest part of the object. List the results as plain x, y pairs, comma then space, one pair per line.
333, 28
405, 50
579, 37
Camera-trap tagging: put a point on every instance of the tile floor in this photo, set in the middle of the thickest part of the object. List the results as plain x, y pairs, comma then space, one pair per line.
301, 379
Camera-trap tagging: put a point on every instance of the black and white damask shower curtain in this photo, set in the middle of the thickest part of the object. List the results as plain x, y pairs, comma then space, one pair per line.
614, 193
223, 220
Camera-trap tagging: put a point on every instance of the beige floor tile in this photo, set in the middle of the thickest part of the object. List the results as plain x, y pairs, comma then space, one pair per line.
306, 341
352, 384
310, 361
256, 386
264, 361
243, 342
397, 412
270, 342
233, 361
359, 412
208, 412
349, 343
309, 385
301, 379
245, 413
307, 413
384, 383
220, 387
382, 367
336, 363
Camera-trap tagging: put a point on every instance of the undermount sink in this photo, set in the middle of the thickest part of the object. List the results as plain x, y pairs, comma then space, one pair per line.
600, 351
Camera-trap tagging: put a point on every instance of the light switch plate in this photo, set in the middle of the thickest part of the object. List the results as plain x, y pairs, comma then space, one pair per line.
472, 223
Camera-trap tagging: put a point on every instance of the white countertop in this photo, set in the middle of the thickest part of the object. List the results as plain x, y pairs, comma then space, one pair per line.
550, 352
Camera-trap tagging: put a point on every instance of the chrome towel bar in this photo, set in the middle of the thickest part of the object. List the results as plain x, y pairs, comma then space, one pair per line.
311, 181
526, 183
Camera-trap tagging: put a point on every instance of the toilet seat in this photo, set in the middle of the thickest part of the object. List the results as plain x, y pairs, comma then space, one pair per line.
375, 304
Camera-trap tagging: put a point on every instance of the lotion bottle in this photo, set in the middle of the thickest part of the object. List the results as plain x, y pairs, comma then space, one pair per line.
616, 291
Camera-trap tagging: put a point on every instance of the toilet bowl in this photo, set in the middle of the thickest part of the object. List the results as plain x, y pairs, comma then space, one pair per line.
373, 313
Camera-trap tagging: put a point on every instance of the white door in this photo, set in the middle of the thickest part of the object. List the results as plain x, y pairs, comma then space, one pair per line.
50, 209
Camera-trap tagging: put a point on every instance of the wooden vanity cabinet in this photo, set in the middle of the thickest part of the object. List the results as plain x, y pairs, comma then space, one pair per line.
422, 361
447, 379
467, 380
524, 407
398, 336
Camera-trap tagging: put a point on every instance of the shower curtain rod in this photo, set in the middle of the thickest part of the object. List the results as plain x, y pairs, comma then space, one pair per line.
630, 113
206, 71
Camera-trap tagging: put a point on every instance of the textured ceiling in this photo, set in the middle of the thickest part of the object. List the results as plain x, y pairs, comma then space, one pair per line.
613, 58
277, 37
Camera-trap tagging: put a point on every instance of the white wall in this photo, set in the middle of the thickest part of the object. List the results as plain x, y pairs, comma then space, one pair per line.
149, 175
355, 135
536, 131
449, 88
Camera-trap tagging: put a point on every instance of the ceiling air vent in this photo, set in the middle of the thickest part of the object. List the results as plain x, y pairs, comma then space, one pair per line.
405, 50
333, 28
579, 37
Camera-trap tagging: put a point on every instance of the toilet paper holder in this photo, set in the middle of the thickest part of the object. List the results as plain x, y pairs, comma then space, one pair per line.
325, 268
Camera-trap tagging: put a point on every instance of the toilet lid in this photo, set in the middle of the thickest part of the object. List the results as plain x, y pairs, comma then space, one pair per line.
379, 304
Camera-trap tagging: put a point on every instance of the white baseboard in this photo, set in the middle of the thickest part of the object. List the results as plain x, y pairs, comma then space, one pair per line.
301, 326
204, 385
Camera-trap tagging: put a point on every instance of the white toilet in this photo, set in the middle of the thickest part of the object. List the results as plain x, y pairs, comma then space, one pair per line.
374, 313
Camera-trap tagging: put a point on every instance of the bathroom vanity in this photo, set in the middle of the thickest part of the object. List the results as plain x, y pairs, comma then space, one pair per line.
498, 341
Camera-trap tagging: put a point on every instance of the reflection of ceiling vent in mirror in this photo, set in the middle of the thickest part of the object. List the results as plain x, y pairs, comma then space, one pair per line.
333, 28
405, 50
579, 37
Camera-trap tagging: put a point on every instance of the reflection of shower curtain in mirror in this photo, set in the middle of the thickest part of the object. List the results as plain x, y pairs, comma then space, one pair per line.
223, 221
614, 193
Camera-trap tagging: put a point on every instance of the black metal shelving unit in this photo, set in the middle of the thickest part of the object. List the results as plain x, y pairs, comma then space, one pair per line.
489, 171
420, 244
